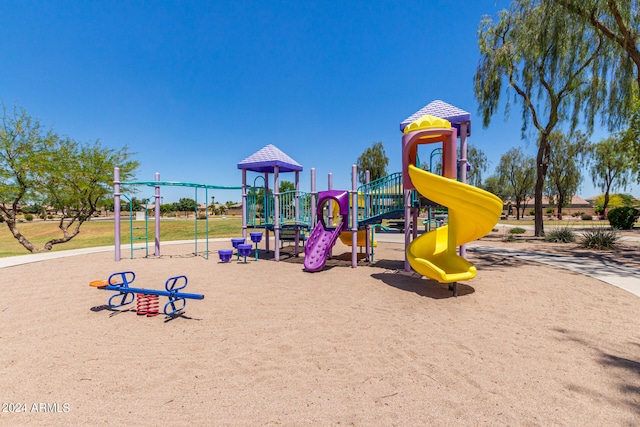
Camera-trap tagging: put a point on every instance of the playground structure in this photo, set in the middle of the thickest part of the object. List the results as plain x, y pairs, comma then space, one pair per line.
472, 212
120, 282
352, 215
269, 209
157, 184
357, 211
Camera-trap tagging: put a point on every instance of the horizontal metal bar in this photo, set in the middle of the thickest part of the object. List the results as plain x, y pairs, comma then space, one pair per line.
125, 290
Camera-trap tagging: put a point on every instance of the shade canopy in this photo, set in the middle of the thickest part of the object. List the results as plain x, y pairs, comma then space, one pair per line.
266, 159
444, 111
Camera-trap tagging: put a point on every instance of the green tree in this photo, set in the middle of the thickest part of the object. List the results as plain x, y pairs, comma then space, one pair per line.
611, 167
373, 159
136, 204
286, 186
38, 165
553, 64
494, 185
107, 204
516, 172
479, 164
619, 23
167, 208
614, 201
631, 139
186, 205
566, 158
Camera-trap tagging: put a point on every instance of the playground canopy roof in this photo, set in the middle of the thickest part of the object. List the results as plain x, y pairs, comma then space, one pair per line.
266, 159
443, 110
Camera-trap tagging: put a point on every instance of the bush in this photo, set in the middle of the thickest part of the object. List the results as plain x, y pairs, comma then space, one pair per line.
28, 217
586, 217
561, 235
517, 230
600, 239
509, 238
623, 218
532, 212
550, 210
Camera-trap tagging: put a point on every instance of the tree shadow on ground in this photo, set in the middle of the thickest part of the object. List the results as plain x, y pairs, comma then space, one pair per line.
624, 371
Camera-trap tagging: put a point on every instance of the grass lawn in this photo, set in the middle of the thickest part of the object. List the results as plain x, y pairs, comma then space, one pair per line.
100, 233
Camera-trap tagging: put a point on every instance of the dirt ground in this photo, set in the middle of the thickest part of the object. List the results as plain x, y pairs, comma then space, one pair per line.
271, 344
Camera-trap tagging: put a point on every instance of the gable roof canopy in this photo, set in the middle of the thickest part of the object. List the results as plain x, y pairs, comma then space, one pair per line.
444, 111
266, 159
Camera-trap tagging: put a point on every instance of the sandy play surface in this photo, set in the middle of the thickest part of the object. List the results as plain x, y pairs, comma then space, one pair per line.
523, 344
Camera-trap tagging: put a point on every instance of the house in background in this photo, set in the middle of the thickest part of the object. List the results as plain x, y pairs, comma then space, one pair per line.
578, 206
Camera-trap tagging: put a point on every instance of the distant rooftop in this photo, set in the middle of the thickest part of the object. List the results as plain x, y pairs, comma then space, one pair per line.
443, 110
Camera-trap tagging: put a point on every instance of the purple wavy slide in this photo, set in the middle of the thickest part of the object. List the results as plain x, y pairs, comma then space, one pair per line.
319, 245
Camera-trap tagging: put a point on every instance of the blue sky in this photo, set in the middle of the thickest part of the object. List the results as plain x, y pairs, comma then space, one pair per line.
194, 87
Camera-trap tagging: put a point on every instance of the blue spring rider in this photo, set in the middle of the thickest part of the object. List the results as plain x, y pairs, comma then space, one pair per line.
120, 282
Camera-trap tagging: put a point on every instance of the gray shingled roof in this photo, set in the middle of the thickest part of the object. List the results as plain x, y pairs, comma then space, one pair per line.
443, 110
267, 158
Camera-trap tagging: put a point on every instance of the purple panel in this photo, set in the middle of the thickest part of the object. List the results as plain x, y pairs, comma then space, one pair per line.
443, 110
340, 196
319, 246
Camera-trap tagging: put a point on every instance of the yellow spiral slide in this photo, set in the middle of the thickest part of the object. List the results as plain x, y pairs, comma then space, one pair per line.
472, 214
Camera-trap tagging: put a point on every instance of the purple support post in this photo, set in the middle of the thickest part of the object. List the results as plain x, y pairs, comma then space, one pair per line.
157, 216
463, 172
314, 197
297, 214
116, 211
407, 230
245, 207
330, 207
276, 213
354, 216
367, 238
414, 218
265, 210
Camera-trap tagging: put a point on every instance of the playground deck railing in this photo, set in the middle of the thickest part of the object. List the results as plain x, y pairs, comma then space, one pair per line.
382, 198
261, 211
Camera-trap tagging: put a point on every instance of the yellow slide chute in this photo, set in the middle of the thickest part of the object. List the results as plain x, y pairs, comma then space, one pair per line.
472, 214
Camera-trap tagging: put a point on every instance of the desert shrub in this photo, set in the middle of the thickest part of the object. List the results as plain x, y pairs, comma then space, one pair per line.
623, 218
586, 217
49, 216
28, 217
509, 238
600, 239
517, 230
550, 210
561, 235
